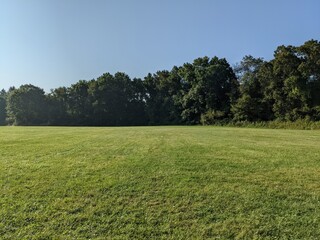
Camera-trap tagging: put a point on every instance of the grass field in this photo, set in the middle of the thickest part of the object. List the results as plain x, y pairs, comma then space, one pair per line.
159, 183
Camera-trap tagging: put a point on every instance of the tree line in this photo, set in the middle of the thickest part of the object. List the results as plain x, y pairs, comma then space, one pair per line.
207, 91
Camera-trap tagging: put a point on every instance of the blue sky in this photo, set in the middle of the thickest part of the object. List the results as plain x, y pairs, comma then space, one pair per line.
52, 43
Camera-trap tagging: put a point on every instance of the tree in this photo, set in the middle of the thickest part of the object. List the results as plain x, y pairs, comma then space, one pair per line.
163, 97
289, 86
136, 114
286, 86
3, 111
116, 100
79, 104
204, 91
59, 112
212, 87
27, 106
252, 105
309, 53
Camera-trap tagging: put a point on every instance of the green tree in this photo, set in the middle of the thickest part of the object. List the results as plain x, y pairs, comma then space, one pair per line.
288, 87
252, 105
212, 86
285, 70
116, 100
79, 104
163, 97
3, 111
309, 53
27, 106
136, 114
59, 107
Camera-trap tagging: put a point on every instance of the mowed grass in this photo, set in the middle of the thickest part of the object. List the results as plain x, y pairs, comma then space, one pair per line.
159, 183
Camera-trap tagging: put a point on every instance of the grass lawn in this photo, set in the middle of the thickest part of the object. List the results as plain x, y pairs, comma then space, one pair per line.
159, 183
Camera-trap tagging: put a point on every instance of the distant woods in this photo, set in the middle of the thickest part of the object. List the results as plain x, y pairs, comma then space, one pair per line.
207, 91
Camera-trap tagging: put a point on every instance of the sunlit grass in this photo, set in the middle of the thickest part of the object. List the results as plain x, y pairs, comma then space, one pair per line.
159, 182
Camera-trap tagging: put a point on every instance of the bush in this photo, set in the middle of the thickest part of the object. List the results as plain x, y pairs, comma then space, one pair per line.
302, 124
213, 117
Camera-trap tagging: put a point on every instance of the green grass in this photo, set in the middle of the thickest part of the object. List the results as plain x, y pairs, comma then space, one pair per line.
159, 183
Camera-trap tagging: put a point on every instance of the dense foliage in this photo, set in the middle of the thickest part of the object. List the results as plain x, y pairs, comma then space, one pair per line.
206, 91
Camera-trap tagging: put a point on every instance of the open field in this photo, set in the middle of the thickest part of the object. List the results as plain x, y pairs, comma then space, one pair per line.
159, 183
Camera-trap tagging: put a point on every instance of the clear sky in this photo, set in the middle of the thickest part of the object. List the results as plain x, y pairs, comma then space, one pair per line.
52, 43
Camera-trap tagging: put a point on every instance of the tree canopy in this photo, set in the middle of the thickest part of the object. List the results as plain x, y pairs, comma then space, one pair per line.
205, 91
